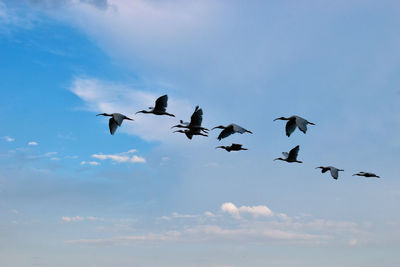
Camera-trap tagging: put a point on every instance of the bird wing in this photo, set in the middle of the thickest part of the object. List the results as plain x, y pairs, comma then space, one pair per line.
226, 132
189, 134
324, 170
113, 125
162, 103
301, 123
238, 129
290, 127
285, 154
118, 118
293, 153
236, 146
334, 172
197, 117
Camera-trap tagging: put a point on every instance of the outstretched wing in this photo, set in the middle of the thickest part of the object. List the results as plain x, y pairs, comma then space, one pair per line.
290, 127
162, 103
301, 123
197, 117
226, 132
334, 172
293, 153
238, 129
118, 118
113, 125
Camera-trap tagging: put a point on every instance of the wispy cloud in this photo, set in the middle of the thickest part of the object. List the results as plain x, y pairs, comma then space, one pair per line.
9, 139
121, 157
92, 163
69, 219
33, 143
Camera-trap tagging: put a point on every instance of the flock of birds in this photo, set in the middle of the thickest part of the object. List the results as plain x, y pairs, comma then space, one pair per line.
194, 128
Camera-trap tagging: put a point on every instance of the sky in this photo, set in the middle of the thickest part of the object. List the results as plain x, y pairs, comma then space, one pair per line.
73, 195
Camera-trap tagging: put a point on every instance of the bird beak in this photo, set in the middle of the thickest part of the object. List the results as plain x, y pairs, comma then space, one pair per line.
277, 119
174, 126
99, 114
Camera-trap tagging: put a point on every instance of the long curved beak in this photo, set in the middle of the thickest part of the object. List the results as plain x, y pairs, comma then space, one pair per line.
277, 119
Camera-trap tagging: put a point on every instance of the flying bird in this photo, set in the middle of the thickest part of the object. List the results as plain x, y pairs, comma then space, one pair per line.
160, 107
294, 121
334, 171
115, 120
230, 129
291, 156
233, 147
190, 132
367, 174
195, 122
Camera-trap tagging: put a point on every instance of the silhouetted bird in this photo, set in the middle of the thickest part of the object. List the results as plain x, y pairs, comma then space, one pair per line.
160, 108
230, 129
190, 132
294, 121
334, 171
195, 122
115, 120
367, 174
233, 147
291, 156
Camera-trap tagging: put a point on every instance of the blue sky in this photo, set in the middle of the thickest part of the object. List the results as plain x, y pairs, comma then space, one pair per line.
73, 195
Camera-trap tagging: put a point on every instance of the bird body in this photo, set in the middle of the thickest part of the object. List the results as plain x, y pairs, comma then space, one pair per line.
334, 171
194, 125
160, 107
233, 147
190, 132
367, 175
115, 120
291, 156
293, 122
230, 129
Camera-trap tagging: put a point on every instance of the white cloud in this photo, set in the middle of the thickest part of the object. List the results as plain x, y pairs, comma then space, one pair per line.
32, 143
72, 219
92, 163
80, 219
121, 157
255, 211
9, 139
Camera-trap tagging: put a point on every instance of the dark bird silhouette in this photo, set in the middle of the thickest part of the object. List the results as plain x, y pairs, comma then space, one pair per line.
294, 121
195, 122
115, 120
334, 171
367, 174
190, 132
230, 129
233, 147
160, 107
291, 156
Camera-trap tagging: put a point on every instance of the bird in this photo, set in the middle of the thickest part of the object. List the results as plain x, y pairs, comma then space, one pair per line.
367, 174
115, 120
160, 107
291, 156
195, 122
294, 121
334, 171
230, 129
190, 132
233, 147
